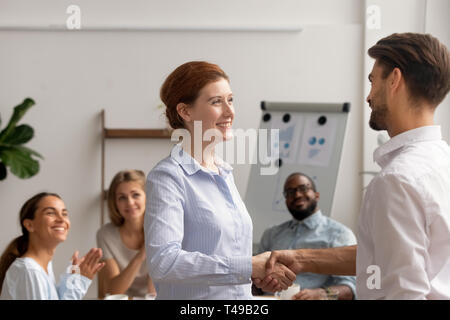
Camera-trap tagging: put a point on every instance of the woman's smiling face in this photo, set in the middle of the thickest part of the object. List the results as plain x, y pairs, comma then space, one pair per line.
51, 222
214, 108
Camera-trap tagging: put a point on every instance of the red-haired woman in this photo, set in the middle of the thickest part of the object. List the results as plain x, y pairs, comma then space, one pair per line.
197, 229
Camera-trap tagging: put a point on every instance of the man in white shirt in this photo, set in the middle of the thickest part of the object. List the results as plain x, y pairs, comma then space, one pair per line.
403, 237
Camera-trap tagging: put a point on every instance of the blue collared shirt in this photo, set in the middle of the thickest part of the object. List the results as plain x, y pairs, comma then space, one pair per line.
316, 231
198, 232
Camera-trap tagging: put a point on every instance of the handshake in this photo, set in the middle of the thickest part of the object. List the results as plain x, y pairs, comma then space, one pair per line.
274, 271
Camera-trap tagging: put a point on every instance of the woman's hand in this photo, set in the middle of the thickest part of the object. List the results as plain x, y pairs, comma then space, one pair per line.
89, 264
141, 254
279, 278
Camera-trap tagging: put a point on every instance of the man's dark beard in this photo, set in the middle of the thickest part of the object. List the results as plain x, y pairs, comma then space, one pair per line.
302, 214
379, 114
377, 118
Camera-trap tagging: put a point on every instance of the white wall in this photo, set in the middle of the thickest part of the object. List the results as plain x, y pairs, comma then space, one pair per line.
438, 24
424, 16
72, 75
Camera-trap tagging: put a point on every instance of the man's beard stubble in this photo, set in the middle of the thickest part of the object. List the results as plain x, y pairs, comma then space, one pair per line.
302, 214
377, 118
379, 111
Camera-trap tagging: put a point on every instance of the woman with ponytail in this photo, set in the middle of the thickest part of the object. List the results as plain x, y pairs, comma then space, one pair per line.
26, 271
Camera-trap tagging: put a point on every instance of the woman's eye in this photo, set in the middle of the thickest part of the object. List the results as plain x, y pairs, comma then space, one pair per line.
136, 195
216, 102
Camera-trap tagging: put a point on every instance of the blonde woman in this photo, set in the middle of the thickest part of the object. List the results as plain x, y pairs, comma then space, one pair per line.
26, 271
122, 240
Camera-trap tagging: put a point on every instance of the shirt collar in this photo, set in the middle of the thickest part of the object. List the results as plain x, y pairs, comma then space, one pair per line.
426, 133
191, 166
310, 222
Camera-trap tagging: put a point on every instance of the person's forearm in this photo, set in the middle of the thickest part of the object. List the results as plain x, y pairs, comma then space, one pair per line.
336, 261
150, 285
168, 263
122, 282
344, 292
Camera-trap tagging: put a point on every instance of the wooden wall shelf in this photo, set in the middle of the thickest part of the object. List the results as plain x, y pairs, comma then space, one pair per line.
137, 133
123, 134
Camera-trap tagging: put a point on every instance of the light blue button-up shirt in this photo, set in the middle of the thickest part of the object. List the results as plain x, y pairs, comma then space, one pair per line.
316, 231
198, 232
27, 280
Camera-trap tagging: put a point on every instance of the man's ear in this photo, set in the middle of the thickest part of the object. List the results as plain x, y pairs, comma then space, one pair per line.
184, 112
317, 196
395, 79
28, 224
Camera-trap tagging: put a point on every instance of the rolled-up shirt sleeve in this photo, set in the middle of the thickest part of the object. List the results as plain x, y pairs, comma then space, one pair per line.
344, 237
164, 233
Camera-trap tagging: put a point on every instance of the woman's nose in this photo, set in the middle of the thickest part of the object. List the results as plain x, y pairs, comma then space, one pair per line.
229, 109
59, 217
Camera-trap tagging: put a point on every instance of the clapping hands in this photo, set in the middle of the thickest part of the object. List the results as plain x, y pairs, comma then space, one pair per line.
89, 264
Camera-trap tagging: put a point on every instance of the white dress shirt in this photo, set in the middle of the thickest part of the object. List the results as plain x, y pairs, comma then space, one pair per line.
404, 224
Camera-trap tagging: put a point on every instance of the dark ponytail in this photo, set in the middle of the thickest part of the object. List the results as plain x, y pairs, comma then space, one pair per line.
19, 246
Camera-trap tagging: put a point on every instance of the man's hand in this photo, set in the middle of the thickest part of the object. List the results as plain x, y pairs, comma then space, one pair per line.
290, 258
311, 294
279, 278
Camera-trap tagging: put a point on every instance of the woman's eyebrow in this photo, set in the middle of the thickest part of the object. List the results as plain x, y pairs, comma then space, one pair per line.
229, 94
53, 208
214, 97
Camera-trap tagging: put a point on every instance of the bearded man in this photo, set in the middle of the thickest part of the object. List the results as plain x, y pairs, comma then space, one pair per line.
309, 228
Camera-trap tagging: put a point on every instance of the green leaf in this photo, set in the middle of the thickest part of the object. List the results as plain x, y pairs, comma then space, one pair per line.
3, 171
18, 113
20, 163
28, 151
4, 146
19, 135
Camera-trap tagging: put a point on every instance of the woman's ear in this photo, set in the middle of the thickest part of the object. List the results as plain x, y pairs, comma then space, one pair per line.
184, 112
28, 224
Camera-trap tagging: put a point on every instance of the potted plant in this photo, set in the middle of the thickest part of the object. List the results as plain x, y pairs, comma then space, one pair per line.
13, 153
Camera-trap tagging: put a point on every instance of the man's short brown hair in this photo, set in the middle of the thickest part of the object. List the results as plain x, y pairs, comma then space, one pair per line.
423, 61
